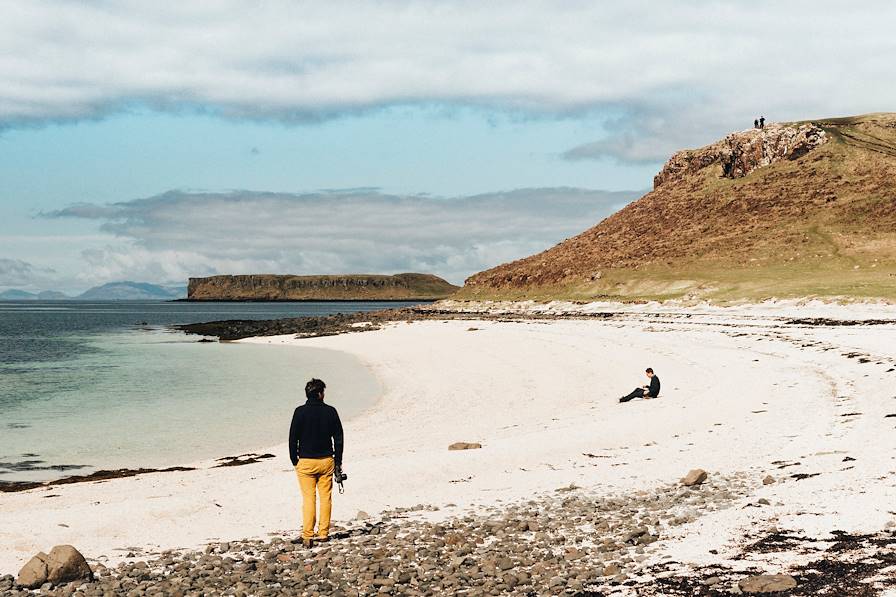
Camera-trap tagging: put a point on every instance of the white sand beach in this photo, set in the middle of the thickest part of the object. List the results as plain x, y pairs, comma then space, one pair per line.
743, 395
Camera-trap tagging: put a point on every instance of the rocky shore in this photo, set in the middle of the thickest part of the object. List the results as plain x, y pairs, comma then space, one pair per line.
559, 543
448, 310
568, 542
343, 323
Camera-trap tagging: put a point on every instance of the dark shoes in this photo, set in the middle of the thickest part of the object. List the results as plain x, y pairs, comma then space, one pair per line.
309, 543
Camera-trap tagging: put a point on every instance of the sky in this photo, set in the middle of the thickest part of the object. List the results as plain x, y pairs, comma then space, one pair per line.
158, 141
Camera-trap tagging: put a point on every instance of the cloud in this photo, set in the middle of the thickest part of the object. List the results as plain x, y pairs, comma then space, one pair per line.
15, 272
175, 235
684, 71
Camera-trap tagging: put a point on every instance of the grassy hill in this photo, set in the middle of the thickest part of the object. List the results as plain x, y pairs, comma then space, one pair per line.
797, 210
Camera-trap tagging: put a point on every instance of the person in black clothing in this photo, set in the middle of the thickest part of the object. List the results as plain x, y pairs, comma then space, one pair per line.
762, 122
649, 391
756, 123
315, 449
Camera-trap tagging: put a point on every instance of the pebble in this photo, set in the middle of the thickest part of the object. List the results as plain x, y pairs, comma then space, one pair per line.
559, 543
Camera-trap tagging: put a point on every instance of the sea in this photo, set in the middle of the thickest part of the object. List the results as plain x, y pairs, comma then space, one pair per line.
86, 386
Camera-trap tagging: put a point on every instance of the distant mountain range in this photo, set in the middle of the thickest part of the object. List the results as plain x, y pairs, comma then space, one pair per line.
21, 295
113, 291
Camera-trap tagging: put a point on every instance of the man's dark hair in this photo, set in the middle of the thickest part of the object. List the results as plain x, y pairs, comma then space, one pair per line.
315, 389
648, 370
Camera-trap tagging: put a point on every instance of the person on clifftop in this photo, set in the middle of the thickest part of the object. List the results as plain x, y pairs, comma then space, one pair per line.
756, 123
762, 122
315, 448
646, 392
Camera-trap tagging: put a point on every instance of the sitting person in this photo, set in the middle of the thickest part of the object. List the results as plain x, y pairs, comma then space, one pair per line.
651, 391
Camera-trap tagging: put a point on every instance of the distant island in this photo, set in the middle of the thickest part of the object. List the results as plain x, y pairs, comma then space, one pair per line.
113, 291
350, 287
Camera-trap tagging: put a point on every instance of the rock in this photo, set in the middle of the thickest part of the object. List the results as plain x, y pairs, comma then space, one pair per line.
694, 477
34, 573
768, 480
464, 446
65, 564
764, 502
766, 583
362, 515
612, 569
738, 154
383, 582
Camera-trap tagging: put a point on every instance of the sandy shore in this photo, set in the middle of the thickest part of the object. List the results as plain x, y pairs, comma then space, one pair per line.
743, 394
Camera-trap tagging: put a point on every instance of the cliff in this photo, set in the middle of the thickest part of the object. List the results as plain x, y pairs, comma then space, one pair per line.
271, 287
794, 210
739, 154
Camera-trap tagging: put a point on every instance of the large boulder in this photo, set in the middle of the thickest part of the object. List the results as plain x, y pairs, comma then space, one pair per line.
694, 477
766, 583
34, 573
65, 564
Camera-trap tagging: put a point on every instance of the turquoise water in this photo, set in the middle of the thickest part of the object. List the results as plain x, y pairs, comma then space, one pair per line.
80, 390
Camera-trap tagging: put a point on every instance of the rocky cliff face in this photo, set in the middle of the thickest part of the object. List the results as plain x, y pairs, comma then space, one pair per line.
270, 287
741, 153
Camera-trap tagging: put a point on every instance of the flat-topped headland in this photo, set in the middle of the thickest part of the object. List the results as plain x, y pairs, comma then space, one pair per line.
350, 287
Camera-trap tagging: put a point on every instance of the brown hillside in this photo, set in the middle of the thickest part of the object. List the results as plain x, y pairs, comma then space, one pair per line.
796, 209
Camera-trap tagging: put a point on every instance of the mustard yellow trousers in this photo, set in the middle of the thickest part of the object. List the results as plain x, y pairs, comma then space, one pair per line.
316, 477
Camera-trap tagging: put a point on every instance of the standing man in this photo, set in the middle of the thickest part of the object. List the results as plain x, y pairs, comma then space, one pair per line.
315, 448
762, 122
651, 391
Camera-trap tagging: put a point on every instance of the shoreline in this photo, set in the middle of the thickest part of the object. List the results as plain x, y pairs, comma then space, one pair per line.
806, 312
510, 385
235, 400
310, 300
122, 473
